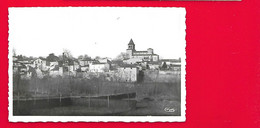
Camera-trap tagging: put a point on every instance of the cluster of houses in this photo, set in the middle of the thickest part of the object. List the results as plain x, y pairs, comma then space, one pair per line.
58, 67
125, 70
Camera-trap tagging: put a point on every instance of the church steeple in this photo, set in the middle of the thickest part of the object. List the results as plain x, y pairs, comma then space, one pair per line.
131, 45
131, 48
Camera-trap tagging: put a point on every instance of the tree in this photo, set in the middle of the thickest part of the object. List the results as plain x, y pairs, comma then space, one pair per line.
105, 69
97, 57
31, 58
20, 57
84, 57
52, 57
67, 53
14, 52
60, 57
122, 56
164, 66
80, 57
147, 66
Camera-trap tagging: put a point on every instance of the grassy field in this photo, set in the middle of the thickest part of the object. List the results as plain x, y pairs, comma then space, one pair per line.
155, 93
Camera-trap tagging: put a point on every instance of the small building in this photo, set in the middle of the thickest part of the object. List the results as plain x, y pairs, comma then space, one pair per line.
104, 60
99, 67
84, 68
74, 65
171, 61
176, 67
52, 64
56, 71
154, 65
22, 69
16, 66
133, 61
40, 63
128, 74
29, 74
174, 64
86, 61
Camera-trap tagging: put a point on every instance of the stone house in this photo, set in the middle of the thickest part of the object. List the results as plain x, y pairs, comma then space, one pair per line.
128, 74
86, 61
99, 67
133, 60
40, 63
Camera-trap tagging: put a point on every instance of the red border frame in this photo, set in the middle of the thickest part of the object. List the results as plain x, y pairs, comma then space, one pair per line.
223, 62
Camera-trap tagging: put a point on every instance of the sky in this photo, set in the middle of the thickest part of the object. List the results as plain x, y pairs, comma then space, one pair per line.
96, 31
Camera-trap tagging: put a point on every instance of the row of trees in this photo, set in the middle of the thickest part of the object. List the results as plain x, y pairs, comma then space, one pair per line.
67, 53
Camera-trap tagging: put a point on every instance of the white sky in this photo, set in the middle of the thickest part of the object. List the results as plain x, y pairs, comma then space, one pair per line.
97, 31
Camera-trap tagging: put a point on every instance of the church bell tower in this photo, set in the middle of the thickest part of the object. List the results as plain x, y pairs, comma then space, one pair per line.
131, 48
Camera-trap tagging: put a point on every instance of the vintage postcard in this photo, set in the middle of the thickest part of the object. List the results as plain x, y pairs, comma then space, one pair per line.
91, 64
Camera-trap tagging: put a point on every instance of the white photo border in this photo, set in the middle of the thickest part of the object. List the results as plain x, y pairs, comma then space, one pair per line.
181, 118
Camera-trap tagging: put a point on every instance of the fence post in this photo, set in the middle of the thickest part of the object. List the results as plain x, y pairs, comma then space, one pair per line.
48, 97
18, 97
89, 101
128, 98
108, 101
60, 98
34, 97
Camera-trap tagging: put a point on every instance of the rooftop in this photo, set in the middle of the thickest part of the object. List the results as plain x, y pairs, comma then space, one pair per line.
171, 60
143, 54
128, 65
96, 63
141, 51
131, 42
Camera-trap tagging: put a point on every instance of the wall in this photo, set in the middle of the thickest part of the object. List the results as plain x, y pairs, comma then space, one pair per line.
128, 74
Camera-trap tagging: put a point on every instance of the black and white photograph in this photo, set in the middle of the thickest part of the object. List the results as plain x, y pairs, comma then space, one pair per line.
96, 64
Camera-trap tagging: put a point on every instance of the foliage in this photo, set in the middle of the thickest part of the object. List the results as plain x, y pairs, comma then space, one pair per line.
164, 66
52, 57
82, 57
122, 56
67, 54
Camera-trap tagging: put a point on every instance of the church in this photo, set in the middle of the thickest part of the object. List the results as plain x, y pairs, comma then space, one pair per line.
143, 55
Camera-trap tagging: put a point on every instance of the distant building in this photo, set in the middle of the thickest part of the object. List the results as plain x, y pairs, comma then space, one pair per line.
40, 63
153, 65
104, 60
84, 68
52, 64
15, 58
73, 65
99, 67
171, 61
86, 61
22, 69
174, 64
133, 60
128, 74
145, 55
56, 71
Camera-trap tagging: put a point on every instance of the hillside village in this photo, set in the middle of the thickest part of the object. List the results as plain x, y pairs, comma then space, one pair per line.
128, 67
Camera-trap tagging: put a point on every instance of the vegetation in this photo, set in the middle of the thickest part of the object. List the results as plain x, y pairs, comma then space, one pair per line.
152, 85
122, 56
